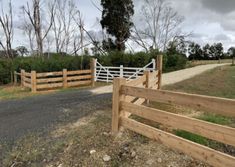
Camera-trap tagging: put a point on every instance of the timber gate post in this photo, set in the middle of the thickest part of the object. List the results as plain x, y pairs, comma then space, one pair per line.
33, 81
147, 82
15, 78
159, 68
65, 79
22, 73
93, 71
117, 83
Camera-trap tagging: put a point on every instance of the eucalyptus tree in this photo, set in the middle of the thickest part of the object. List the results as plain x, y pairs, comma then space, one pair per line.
116, 20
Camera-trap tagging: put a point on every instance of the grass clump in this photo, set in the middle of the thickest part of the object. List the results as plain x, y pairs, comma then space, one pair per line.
192, 137
217, 119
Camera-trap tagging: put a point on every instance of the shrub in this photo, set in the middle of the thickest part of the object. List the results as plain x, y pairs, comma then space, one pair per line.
56, 62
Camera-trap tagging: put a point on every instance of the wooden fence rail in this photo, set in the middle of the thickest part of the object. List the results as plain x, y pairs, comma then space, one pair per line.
127, 100
39, 81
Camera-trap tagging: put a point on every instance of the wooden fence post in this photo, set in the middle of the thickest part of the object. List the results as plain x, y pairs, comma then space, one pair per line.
65, 79
159, 68
33, 81
121, 71
154, 64
117, 83
93, 71
22, 73
147, 82
15, 78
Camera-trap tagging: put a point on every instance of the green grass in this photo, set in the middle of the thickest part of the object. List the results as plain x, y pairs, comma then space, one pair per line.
217, 119
218, 82
192, 137
12, 92
17, 92
204, 62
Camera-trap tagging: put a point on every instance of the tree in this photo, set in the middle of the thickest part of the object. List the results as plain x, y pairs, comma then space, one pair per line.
35, 18
231, 52
206, 52
195, 51
177, 46
116, 20
64, 26
216, 51
28, 30
6, 23
160, 24
22, 50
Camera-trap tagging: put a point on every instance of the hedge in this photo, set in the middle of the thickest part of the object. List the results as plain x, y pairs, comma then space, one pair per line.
57, 63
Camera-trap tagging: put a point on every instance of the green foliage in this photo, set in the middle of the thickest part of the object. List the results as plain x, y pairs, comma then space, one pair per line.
54, 63
5, 71
174, 62
207, 52
57, 62
116, 19
218, 119
140, 59
192, 137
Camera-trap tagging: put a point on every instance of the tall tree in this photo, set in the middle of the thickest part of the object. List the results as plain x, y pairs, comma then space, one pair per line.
206, 52
64, 26
116, 19
6, 24
35, 17
231, 52
22, 50
216, 51
177, 46
160, 24
195, 51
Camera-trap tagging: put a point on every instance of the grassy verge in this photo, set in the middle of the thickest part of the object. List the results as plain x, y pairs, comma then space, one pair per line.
12, 92
17, 92
204, 62
218, 82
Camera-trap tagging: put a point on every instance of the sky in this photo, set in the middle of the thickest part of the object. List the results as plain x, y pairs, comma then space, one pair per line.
208, 21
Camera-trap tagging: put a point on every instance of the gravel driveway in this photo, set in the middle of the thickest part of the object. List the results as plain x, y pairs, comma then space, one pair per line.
40, 113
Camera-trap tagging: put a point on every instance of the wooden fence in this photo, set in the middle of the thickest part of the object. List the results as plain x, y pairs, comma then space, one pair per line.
127, 100
49, 80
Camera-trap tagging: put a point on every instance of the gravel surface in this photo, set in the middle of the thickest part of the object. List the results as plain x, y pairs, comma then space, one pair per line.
40, 113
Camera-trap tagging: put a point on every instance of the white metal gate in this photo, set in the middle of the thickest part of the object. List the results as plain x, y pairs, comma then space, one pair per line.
106, 73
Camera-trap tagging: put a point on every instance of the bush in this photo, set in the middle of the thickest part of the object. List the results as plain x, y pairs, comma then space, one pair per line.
54, 63
140, 59
5, 71
174, 62
57, 62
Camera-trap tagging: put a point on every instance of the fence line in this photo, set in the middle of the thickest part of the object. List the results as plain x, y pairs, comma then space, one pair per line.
59, 79
128, 97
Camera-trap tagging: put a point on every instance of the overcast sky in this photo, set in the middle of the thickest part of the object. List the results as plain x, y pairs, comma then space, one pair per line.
209, 20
